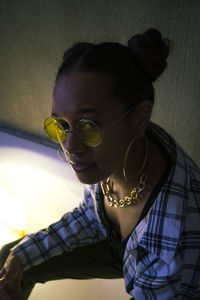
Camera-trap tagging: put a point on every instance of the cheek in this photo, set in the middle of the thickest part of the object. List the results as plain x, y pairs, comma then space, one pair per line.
111, 153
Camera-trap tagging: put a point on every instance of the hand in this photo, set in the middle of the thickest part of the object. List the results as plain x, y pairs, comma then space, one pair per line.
10, 278
8, 294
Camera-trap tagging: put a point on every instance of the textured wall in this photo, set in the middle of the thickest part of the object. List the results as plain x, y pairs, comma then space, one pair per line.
34, 34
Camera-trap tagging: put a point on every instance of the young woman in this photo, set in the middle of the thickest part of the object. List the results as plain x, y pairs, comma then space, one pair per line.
139, 218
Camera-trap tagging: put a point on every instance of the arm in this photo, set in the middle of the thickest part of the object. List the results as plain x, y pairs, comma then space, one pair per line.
78, 228
10, 278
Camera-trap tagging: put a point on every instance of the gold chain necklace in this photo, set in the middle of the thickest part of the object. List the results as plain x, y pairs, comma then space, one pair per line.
109, 194
111, 199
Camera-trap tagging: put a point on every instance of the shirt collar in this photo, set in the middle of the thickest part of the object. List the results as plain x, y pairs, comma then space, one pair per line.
159, 231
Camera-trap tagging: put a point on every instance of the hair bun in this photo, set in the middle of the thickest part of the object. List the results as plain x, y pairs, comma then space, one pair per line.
152, 51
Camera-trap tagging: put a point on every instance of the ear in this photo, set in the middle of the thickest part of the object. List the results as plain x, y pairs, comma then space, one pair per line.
142, 115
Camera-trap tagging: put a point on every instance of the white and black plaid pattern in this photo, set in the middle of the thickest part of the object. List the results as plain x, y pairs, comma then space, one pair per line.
162, 256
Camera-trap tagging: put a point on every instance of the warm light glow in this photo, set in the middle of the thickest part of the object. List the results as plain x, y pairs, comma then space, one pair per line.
43, 184
46, 188
12, 218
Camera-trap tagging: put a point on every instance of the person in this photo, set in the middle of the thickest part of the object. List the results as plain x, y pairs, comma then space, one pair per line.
139, 219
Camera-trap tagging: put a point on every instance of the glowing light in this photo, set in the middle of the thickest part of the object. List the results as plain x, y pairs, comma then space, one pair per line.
43, 185
12, 218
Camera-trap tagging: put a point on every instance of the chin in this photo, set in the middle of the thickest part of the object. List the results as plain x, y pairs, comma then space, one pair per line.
89, 177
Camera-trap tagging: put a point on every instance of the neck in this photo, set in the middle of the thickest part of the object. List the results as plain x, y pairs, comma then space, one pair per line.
136, 163
121, 193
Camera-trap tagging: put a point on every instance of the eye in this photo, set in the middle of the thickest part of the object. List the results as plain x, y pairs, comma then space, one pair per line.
93, 122
64, 123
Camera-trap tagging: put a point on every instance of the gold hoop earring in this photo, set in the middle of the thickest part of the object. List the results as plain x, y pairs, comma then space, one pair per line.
126, 156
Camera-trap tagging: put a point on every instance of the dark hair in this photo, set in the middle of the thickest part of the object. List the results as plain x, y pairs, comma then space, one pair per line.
134, 67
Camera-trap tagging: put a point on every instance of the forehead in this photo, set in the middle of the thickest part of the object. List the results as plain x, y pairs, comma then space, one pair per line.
81, 90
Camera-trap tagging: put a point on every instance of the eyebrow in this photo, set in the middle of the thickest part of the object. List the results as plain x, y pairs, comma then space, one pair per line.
87, 111
83, 111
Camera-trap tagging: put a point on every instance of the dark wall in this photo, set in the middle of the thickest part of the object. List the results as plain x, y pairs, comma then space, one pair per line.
34, 34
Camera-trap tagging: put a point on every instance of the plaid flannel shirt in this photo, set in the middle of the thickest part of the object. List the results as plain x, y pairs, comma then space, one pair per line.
162, 256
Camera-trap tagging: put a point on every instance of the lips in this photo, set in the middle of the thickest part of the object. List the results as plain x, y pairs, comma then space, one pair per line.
81, 166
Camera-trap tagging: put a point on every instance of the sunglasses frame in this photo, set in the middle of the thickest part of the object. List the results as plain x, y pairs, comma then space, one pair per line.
100, 131
75, 131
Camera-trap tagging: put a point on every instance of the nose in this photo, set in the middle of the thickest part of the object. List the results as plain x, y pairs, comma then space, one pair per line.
73, 144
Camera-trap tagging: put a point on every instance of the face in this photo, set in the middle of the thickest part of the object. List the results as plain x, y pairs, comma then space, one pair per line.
79, 95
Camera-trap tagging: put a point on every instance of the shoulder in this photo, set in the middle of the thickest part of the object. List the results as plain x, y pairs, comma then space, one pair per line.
178, 156
172, 222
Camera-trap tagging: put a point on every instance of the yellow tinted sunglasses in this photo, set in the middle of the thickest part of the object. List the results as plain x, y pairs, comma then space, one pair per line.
88, 131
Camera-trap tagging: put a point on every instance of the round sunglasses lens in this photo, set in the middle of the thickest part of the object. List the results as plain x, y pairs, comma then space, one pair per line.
54, 130
89, 132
